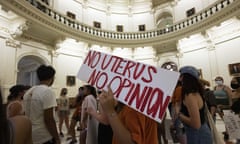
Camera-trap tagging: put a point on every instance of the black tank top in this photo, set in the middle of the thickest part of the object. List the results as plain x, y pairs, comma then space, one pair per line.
201, 111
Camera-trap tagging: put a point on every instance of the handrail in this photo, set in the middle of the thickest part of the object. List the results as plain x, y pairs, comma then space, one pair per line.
205, 18
211, 10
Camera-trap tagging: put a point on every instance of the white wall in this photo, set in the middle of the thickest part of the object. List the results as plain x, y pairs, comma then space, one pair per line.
143, 18
89, 14
119, 12
117, 19
8, 59
212, 62
145, 55
72, 6
199, 59
184, 5
123, 52
99, 16
67, 65
227, 53
10, 56
211, 52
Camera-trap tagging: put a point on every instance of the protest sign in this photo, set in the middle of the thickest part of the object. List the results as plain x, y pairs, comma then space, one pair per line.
142, 87
232, 123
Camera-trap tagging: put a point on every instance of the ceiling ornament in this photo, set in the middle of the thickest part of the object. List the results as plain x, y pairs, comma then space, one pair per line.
20, 28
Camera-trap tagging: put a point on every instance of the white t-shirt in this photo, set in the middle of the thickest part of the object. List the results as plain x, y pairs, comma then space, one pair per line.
36, 100
63, 103
92, 123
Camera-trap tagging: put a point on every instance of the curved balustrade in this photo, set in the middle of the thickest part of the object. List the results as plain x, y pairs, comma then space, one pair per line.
39, 12
208, 12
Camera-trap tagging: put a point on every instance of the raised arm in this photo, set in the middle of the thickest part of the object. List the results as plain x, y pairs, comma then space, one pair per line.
101, 117
121, 133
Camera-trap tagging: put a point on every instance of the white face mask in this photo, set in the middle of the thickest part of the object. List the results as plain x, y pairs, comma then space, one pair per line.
219, 82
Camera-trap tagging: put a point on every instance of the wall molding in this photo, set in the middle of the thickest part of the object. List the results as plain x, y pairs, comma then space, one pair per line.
186, 27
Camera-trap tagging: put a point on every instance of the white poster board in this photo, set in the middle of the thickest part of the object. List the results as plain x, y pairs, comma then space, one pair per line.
142, 87
232, 123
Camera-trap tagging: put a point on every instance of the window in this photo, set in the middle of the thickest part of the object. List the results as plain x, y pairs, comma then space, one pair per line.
97, 24
71, 15
119, 28
190, 12
172, 66
141, 27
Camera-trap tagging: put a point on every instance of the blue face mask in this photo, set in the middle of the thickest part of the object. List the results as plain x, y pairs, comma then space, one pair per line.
219, 82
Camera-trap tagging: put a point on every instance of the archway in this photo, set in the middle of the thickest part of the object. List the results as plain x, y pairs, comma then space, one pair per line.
164, 20
27, 67
172, 66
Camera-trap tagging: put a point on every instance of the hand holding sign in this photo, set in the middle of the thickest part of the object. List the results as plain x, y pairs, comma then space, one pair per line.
142, 87
107, 101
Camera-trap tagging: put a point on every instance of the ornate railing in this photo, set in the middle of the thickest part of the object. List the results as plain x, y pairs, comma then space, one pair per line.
209, 16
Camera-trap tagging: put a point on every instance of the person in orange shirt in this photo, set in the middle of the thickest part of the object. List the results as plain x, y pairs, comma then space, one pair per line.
176, 98
128, 125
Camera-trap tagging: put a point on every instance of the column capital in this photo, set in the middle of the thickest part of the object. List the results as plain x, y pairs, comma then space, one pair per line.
13, 43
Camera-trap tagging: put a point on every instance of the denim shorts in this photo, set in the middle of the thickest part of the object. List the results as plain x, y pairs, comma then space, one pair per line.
199, 136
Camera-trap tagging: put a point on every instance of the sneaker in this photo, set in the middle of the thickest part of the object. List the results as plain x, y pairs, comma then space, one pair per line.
61, 134
73, 142
226, 137
68, 138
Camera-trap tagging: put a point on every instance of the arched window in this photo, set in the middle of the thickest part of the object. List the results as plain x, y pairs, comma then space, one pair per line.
172, 66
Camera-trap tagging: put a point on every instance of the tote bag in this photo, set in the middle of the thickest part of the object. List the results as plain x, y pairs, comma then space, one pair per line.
215, 135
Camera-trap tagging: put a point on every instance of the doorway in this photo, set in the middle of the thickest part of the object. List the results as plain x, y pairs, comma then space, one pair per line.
27, 67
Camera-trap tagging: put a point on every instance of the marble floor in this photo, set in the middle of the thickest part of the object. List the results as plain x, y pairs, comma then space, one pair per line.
219, 124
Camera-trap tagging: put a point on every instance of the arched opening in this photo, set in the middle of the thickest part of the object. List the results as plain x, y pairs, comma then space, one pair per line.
164, 20
27, 67
172, 66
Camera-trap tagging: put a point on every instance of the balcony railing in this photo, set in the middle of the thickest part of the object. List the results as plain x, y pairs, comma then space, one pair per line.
206, 13
209, 16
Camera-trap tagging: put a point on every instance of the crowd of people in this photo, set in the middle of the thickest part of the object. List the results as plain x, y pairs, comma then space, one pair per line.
29, 115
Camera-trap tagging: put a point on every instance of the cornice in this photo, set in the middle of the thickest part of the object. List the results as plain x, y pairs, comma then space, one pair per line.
13, 43
134, 39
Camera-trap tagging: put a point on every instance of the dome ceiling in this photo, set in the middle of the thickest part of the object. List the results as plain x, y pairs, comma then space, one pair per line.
160, 2
137, 1
129, 3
